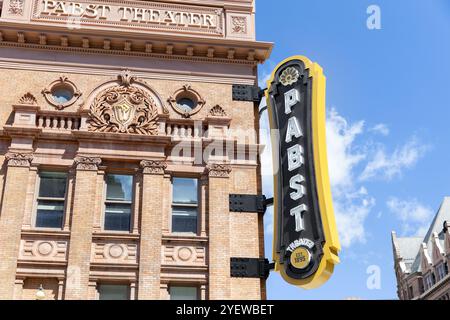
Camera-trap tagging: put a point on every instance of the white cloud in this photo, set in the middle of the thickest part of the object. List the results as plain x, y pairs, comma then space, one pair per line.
340, 144
386, 166
380, 128
414, 216
352, 203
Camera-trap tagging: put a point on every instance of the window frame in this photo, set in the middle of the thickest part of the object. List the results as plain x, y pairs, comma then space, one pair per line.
37, 198
106, 201
185, 205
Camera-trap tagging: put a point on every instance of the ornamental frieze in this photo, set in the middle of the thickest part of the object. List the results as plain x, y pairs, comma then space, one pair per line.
124, 109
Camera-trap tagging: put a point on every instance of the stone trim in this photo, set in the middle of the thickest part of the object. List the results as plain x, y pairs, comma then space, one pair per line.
153, 166
87, 163
19, 159
218, 170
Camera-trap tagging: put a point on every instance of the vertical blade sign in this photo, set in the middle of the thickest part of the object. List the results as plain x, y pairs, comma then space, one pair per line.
306, 244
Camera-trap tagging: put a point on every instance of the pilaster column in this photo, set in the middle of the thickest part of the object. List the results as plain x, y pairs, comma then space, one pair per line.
151, 229
11, 218
60, 289
219, 231
77, 278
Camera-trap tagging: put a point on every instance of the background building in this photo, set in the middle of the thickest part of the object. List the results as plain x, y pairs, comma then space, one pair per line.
120, 143
421, 264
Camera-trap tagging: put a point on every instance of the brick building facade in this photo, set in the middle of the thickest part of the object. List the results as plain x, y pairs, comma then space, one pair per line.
120, 143
421, 263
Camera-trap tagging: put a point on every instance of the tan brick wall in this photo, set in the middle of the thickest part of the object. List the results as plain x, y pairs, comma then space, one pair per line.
219, 239
81, 235
11, 218
151, 236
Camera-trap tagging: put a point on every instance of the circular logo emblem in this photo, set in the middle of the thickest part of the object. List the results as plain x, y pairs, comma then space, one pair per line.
289, 76
300, 258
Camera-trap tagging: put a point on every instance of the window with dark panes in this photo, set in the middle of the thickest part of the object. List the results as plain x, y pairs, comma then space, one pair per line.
113, 292
51, 199
118, 203
184, 205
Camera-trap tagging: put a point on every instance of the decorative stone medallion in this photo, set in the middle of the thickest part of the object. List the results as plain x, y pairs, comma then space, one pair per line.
124, 109
116, 251
184, 253
45, 248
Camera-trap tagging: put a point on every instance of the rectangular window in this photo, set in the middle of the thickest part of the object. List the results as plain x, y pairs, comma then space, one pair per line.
113, 292
184, 205
51, 199
183, 293
118, 203
428, 281
441, 272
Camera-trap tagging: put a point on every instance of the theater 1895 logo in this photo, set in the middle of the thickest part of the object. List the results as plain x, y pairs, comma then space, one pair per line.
306, 243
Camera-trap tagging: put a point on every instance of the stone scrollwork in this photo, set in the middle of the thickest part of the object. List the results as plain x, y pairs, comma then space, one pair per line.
19, 159
124, 109
87, 163
28, 98
217, 111
153, 166
218, 170
16, 7
239, 24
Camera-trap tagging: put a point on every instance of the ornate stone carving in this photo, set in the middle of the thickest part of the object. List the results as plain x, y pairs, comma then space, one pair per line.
218, 170
217, 111
114, 252
124, 109
65, 86
189, 93
28, 98
239, 25
19, 159
126, 78
187, 255
87, 163
43, 250
153, 166
16, 7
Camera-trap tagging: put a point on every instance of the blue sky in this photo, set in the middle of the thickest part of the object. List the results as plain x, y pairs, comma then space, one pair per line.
388, 125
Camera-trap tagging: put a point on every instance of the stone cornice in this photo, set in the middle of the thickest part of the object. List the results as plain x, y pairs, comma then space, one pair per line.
223, 51
87, 163
153, 166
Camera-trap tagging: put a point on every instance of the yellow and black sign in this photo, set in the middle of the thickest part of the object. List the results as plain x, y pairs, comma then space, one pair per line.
306, 243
